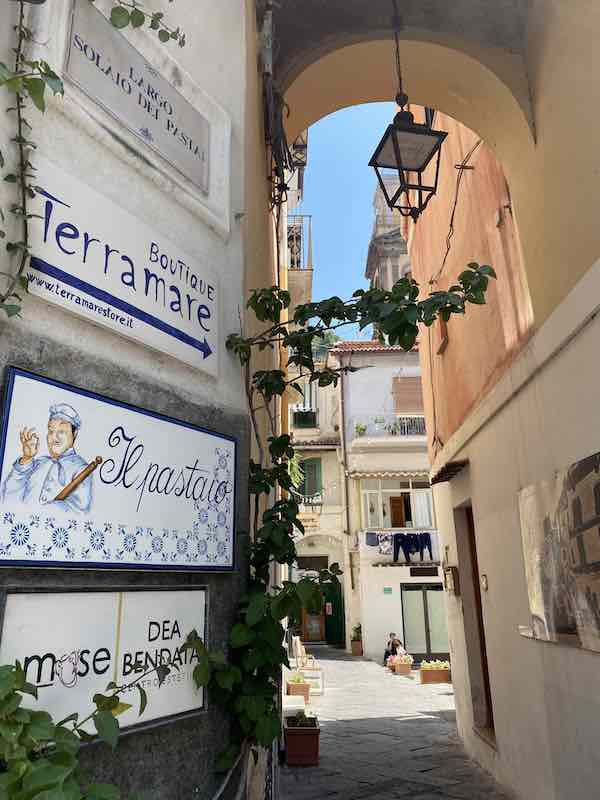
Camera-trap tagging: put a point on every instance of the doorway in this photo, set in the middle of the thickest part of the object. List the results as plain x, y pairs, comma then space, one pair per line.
477, 661
424, 621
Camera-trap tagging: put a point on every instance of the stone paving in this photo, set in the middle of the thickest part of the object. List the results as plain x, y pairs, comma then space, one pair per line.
385, 736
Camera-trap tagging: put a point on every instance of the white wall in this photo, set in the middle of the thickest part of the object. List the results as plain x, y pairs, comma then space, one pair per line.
382, 613
546, 697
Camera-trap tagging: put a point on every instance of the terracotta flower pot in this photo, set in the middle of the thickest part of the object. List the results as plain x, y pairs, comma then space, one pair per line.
356, 647
435, 676
402, 669
299, 689
301, 745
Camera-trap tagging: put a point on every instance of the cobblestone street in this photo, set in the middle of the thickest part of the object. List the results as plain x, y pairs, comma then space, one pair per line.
385, 736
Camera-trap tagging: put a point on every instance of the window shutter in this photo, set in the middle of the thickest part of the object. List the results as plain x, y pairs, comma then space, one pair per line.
312, 477
408, 395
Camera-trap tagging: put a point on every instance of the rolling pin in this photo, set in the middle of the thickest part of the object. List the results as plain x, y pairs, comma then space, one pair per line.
79, 478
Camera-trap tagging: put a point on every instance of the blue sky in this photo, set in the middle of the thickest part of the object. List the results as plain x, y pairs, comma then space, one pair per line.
338, 192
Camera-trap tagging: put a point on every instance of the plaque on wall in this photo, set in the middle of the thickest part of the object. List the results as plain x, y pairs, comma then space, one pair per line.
87, 481
98, 261
109, 70
69, 659
560, 528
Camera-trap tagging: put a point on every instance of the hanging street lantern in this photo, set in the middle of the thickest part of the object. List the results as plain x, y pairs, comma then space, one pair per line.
405, 152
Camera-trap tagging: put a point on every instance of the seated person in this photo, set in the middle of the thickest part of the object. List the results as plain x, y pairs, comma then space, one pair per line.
390, 648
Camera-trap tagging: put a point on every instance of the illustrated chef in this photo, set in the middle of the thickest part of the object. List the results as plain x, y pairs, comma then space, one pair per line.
39, 479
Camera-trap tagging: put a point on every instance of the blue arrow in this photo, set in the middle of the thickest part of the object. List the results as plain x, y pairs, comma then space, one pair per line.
205, 348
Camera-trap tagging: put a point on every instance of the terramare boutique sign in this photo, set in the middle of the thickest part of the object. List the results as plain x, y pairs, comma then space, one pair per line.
88, 481
102, 63
72, 644
96, 260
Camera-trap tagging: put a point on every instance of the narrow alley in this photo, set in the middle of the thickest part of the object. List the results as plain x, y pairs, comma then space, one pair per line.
385, 736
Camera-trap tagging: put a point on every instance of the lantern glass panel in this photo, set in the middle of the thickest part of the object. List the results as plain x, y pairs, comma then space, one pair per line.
416, 149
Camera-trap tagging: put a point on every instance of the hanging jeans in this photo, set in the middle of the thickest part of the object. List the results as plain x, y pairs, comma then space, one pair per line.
425, 543
401, 542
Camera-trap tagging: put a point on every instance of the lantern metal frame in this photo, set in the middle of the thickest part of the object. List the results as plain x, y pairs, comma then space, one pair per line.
410, 177
408, 180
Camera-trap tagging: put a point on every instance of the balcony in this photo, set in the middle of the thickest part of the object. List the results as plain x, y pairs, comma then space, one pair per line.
299, 240
307, 502
389, 429
414, 547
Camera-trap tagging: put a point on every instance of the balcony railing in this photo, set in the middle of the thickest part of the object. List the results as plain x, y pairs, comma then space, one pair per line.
304, 419
299, 239
309, 500
386, 425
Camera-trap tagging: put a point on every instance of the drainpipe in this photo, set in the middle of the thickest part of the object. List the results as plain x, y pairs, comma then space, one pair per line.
344, 466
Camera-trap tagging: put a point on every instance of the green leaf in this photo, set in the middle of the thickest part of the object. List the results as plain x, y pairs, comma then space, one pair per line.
201, 673
267, 729
10, 704
143, 698
164, 35
10, 309
105, 702
10, 178
36, 87
137, 18
64, 739
241, 635
256, 609
107, 727
47, 774
5, 73
119, 17
41, 726
102, 791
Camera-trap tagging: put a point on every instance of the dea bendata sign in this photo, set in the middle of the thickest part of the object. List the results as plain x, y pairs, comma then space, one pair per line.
72, 644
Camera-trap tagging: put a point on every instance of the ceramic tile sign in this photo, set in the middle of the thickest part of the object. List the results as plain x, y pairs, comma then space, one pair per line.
86, 481
72, 644
96, 260
105, 66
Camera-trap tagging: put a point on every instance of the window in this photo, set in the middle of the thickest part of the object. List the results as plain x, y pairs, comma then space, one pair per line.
311, 483
315, 563
408, 395
397, 504
304, 413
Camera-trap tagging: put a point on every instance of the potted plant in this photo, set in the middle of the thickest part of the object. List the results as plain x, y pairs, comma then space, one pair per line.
360, 429
298, 685
301, 740
435, 672
392, 428
401, 665
356, 640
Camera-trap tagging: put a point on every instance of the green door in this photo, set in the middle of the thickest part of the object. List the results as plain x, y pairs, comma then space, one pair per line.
333, 606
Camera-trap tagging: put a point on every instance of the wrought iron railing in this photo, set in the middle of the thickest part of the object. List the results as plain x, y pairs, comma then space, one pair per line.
299, 240
388, 424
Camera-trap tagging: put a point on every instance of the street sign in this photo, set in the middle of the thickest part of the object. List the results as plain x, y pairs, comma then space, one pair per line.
95, 260
88, 481
107, 68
